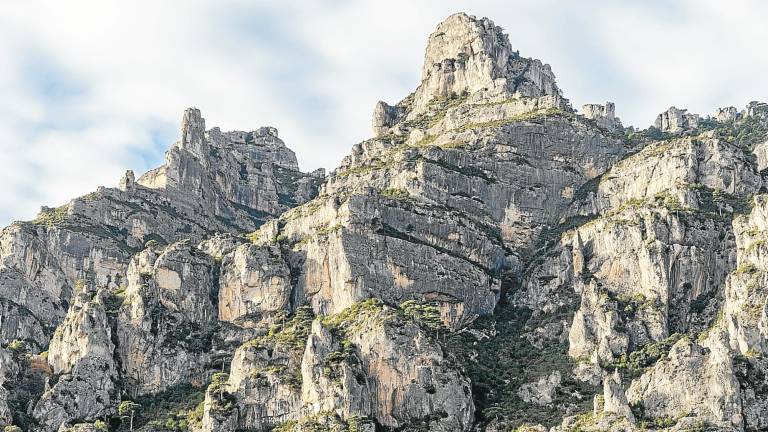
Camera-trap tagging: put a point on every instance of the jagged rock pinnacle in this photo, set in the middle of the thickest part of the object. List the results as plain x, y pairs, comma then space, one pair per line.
604, 115
193, 133
676, 120
614, 397
385, 116
467, 54
128, 182
727, 114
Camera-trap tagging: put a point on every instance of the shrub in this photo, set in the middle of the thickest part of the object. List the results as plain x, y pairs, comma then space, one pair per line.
18, 347
395, 193
425, 314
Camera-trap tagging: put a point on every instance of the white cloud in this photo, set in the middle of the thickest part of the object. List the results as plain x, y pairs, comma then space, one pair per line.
88, 88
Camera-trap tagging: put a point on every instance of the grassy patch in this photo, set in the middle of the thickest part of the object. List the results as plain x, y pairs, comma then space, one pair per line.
324, 422
353, 316
528, 116
52, 217
427, 315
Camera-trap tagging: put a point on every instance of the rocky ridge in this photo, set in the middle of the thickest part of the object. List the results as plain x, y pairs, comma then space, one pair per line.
490, 260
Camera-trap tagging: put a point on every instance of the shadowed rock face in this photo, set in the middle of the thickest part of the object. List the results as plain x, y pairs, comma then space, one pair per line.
490, 260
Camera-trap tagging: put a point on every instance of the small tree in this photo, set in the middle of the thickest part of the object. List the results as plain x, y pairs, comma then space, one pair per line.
100, 426
219, 384
18, 346
127, 409
424, 314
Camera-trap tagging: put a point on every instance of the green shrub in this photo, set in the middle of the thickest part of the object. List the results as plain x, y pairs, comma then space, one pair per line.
292, 332
395, 193
500, 362
633, 364
425, 314
18, 346
182, 405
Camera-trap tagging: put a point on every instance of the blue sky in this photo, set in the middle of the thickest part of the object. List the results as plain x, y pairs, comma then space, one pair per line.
89, 89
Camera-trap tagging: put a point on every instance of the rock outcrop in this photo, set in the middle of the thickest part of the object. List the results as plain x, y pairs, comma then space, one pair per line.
166, 320
211, 181
676, 120
81, 354
369, 361
727, 114
255, 283
541, 392
377, 364
694, 381
603, 115
614, 400
466, 54
385, 116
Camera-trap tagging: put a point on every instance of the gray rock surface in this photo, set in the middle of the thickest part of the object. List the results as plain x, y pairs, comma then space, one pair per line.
381, 366
693, 381
254, 284
604, 115
614, 400
676, 120
81, 355
541, 392
166, 322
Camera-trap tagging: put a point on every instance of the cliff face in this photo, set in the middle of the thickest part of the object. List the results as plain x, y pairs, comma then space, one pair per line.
490, 259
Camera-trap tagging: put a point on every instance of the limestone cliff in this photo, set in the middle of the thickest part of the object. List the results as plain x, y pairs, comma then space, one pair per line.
490, 260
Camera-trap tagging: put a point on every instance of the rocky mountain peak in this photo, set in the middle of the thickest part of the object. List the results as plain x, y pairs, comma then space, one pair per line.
476, 41
467, 54
193, 133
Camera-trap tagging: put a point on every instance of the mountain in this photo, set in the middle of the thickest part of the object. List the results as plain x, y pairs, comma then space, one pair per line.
491, 260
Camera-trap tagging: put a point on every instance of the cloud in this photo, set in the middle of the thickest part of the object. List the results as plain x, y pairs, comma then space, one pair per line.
90, 89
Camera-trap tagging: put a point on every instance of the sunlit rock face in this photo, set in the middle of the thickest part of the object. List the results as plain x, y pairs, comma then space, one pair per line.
166, 321
676, 120
466, 54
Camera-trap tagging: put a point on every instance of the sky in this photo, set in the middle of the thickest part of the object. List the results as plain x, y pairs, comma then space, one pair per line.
91, 88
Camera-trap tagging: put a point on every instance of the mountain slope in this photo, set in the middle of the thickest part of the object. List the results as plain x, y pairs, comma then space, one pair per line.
490, 260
